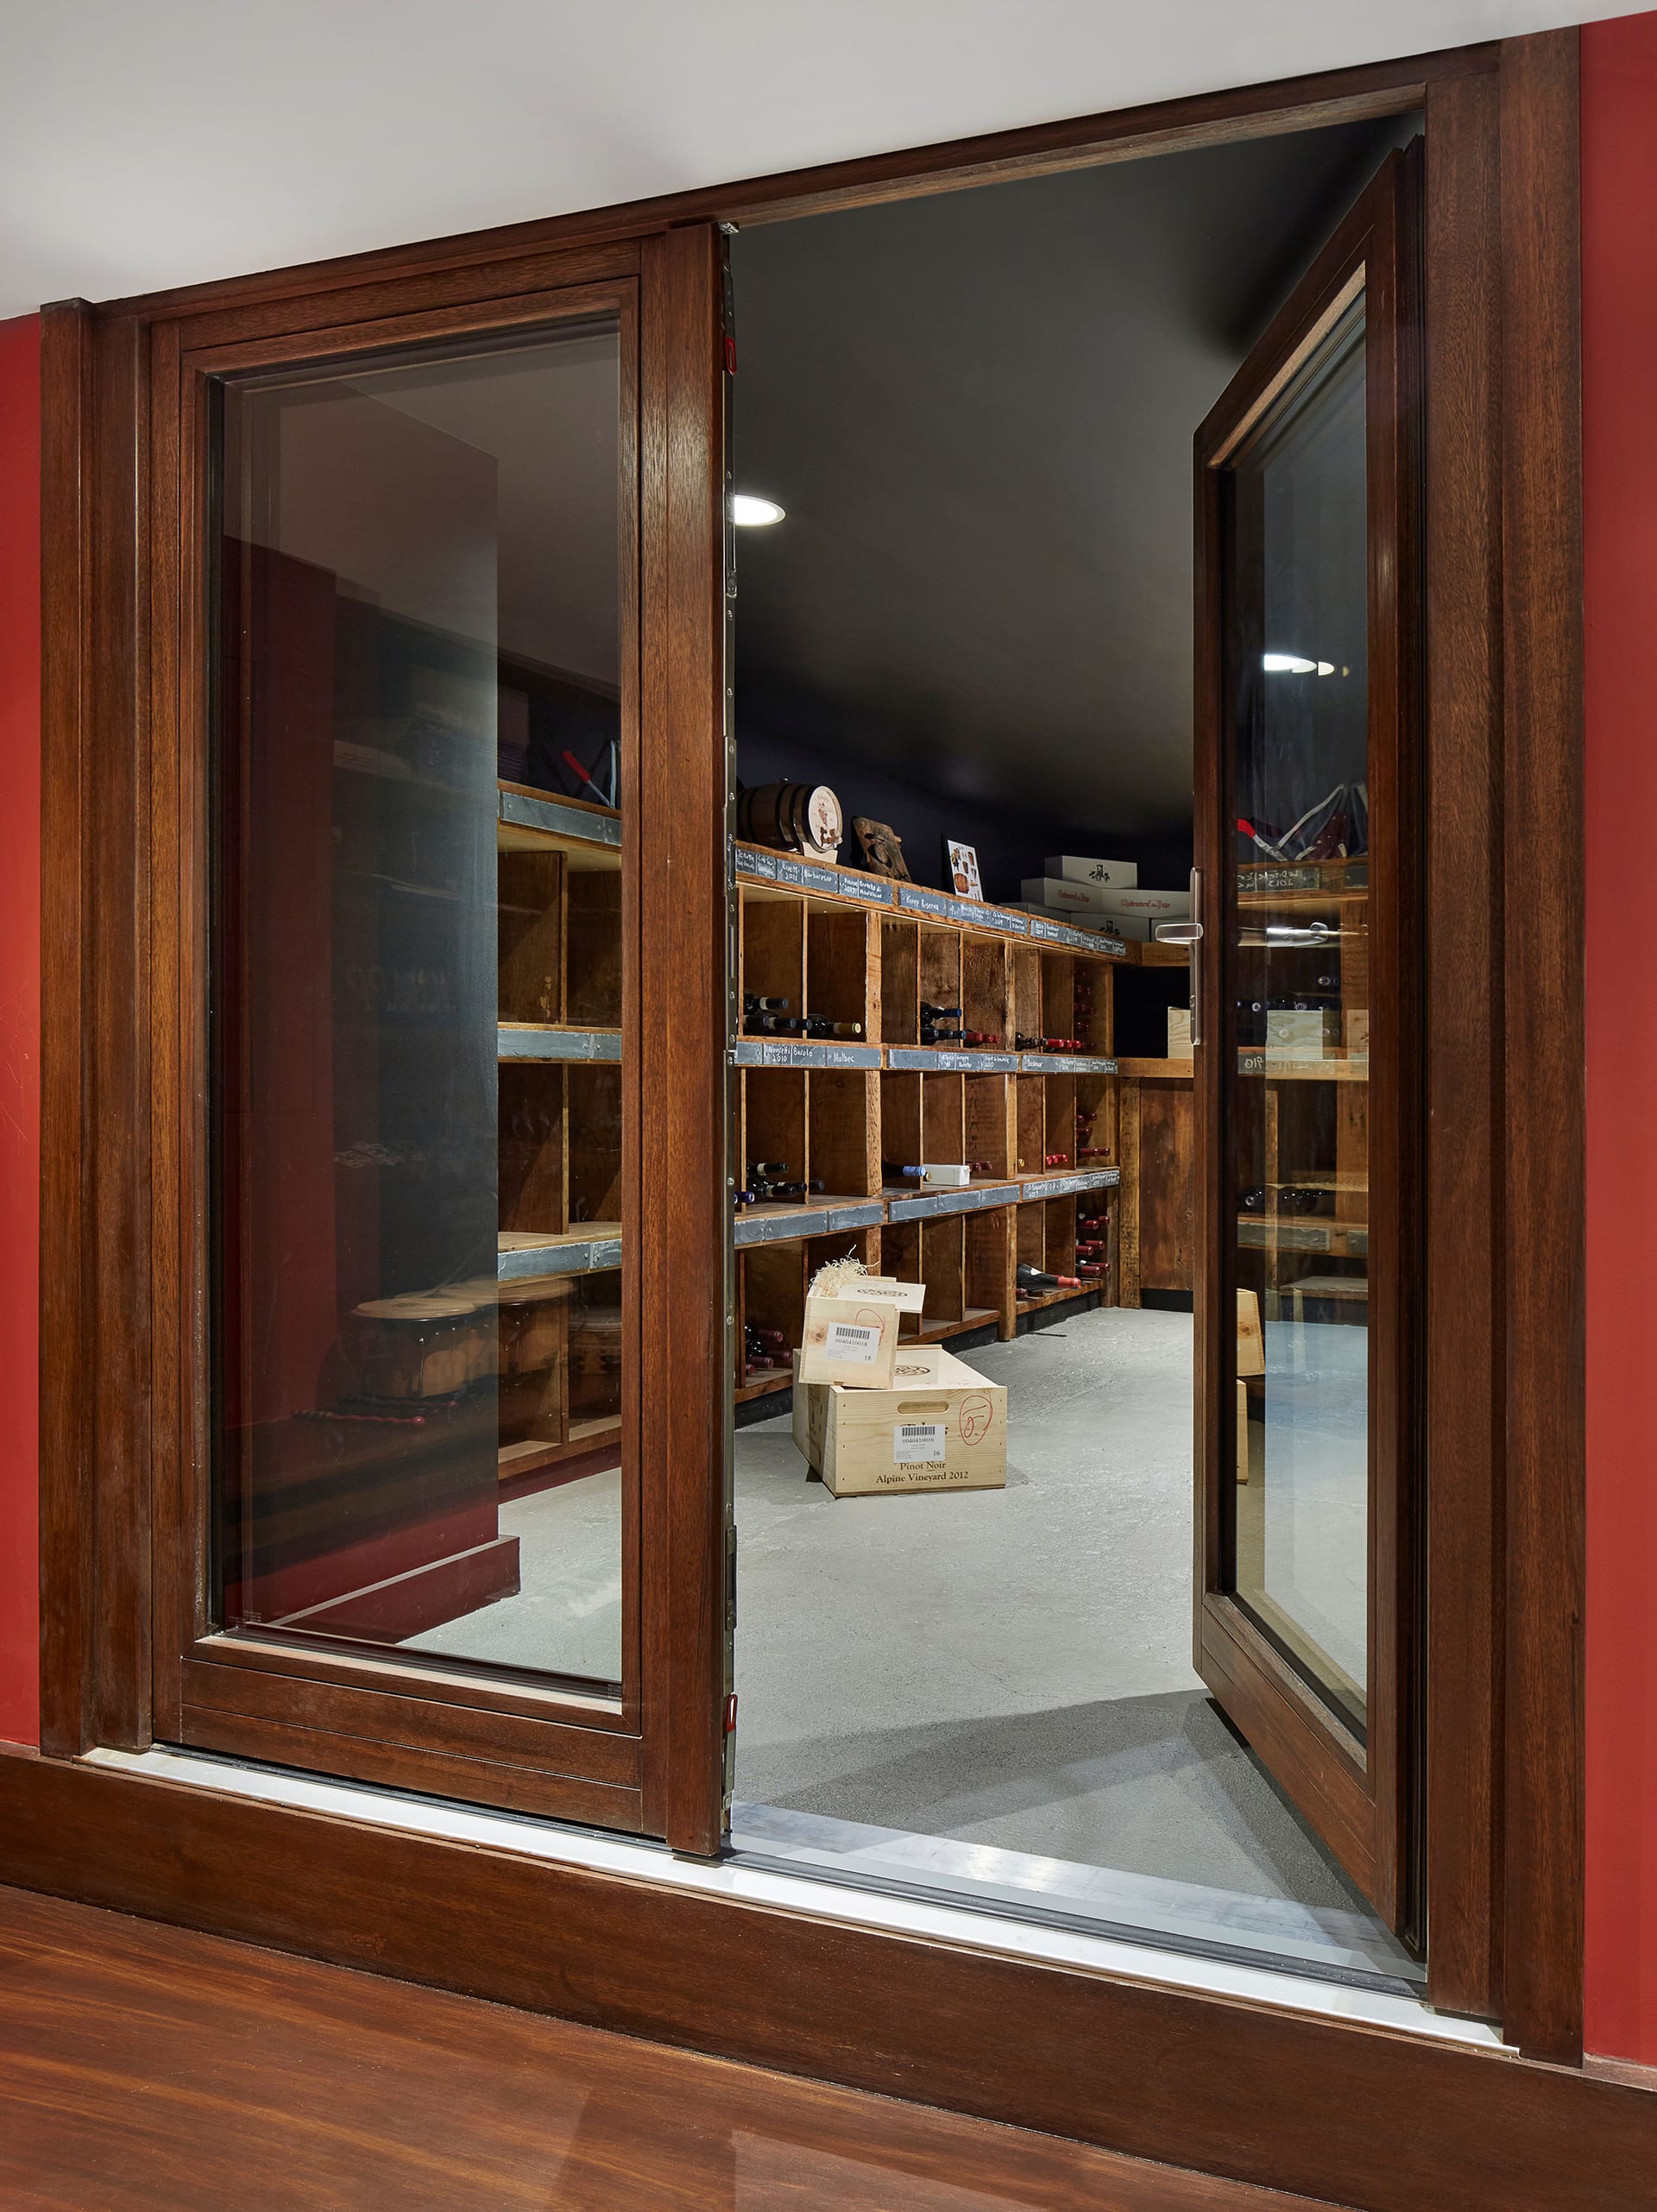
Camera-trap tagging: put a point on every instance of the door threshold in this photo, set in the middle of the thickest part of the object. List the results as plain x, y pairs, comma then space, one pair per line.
808, 1894
1338, 1946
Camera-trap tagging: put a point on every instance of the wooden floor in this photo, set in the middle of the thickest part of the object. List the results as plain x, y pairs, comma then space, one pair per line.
143, 2066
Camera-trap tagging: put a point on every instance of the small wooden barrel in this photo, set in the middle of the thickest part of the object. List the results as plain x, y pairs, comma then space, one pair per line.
791, 818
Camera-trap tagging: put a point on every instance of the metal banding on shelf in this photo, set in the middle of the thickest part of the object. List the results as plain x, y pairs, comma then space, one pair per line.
769, 1052
1062, 1185
524, 1041
1085, 941
935, 1059
778, 1228
939, 907
811, 875
808, 875
580, 1258
1065, 1063
524, 812
927, 1204
866, 1213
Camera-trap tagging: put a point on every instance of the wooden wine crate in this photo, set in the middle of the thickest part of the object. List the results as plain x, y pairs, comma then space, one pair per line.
943, 1426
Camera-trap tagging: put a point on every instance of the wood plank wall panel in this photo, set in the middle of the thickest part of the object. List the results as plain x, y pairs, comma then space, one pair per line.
1545, 1124
1379, 2121
1462, 984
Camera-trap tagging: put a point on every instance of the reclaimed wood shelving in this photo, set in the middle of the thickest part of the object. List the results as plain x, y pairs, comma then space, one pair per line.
558, 864
860, 949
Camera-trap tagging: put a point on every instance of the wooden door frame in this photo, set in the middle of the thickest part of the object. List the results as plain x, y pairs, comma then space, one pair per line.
1504, 1386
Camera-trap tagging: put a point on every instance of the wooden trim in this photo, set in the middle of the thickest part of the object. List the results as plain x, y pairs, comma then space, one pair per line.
1462, 981
94, 1383
68, 478
1160, 127
683, 935
1546, 1120
1325, 2107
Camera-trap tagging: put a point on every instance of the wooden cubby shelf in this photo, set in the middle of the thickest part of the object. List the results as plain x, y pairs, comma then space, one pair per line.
850, 1114
558, 864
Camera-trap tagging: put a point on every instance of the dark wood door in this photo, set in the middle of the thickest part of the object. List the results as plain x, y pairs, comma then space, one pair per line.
446, 1500
1308, 495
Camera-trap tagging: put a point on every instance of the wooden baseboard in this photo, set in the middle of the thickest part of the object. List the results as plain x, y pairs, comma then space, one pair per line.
1369, 2119
1623, 2070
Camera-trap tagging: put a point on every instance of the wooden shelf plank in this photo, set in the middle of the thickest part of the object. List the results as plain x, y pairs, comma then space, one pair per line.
1254, 1060
786, 875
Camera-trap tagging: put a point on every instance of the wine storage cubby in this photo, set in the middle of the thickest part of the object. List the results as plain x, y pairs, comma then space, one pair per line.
559, 1121
884, 1029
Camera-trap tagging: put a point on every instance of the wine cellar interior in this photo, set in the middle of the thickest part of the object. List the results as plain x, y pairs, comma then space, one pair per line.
964, 1057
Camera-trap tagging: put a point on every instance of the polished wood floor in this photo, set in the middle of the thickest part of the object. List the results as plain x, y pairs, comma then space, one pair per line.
143, 2066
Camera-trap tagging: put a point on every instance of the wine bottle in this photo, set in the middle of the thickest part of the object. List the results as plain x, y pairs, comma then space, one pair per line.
819, 1025
1036, 1282
796, 1191
894, 1171
774, 1025
936, 1014
1023, 1043
752, 1003
931, 1036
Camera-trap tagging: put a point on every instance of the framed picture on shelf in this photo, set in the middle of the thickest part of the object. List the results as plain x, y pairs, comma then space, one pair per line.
961, 870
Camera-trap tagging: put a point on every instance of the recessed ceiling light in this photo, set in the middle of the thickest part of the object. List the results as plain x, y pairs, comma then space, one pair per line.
1286, 664
750, 513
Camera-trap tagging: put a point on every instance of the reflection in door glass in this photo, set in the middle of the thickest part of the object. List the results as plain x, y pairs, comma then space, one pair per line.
418, 993
1300, 1107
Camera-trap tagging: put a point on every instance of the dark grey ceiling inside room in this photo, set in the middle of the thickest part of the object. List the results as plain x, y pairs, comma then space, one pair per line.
978, 410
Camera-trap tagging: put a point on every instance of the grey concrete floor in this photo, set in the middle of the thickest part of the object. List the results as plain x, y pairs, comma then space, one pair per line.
1007, 1667
1012, 1667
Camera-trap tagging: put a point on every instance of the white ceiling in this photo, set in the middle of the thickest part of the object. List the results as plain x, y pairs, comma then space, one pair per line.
165, 142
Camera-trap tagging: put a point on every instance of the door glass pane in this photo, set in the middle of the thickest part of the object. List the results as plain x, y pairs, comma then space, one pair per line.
1300, 689
418, 992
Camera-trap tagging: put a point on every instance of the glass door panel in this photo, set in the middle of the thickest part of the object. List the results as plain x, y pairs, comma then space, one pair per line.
1299, 1545
1303, 984
420, 989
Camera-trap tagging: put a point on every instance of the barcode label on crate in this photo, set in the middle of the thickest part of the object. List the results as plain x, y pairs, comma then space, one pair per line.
846, 1340
917, 1442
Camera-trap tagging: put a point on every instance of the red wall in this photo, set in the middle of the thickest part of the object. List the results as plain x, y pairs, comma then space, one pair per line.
1619, 114
20, 1023
1620, 456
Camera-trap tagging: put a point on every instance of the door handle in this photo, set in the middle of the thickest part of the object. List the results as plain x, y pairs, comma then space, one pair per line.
1189, 933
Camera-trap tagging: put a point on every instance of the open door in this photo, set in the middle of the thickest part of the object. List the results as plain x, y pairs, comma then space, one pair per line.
1303, 989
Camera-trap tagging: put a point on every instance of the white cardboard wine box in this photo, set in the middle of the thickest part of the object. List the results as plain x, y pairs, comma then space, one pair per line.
1062, 895
1301, 1032
941, 1426
850, 1337
1117, 875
